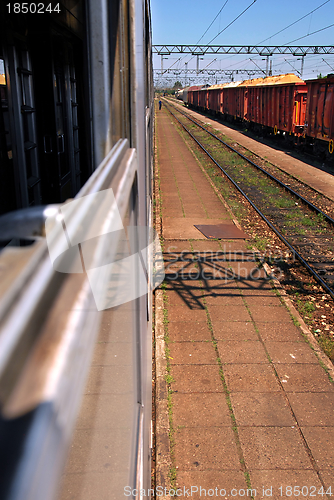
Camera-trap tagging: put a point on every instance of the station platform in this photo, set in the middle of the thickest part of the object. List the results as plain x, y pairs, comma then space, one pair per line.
320, 179
244, 397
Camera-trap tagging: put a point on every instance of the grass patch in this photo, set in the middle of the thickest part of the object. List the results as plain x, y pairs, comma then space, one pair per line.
169, 380
327, 346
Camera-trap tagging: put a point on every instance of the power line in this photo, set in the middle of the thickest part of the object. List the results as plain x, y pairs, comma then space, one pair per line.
328, 64
213, 22
232, 22
208, 29
322, 29
295, 22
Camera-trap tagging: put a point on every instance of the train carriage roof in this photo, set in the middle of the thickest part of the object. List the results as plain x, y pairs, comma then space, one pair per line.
217, 86
196, 87
286, 79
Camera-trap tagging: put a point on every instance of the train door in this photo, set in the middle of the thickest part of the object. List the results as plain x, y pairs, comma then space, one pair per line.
66, 120
60, 124
19, 124
58, 118
300, 109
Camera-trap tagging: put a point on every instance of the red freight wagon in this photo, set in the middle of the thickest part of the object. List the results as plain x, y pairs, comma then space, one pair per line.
190, 96
279, 103
234, 100
320, 110
203, 99
215, 98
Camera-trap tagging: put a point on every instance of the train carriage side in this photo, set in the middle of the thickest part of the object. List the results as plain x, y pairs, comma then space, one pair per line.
190, 96
319, 126
278, 104
233, 101
215, 96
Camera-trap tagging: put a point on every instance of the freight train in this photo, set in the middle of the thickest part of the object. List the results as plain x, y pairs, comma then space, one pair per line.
76, 155
300, 111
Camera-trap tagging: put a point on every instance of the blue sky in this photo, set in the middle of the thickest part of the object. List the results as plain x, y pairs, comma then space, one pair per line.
185, 21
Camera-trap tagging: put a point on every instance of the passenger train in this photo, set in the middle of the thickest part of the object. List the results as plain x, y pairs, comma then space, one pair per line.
76, 149
301, 112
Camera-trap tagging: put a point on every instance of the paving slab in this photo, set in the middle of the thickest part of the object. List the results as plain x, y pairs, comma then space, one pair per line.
201, 410
277, 484
321, 443
185, 297
236, 331
211, 483
273, 448
228, 313
262, 409
185, 332
212, 298
198, 378
240, 352
184, 227
286, 332
181, 313
303, 378
291, 352
206, 448
268, 299
251, 378
313, 409
223, 287
192, 353
266, 314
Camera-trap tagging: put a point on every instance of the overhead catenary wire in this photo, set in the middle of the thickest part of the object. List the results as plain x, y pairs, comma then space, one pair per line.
249, 6
295, 22
208, 28
213, 22
313, 33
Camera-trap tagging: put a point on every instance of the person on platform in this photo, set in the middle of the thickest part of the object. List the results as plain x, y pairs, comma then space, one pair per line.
160, 103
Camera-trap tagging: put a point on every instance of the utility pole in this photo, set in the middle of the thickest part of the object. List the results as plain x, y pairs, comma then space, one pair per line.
302, 67
267, 66
197, 66
162, 63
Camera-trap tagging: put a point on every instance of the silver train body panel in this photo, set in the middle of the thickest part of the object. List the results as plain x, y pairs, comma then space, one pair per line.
77, 122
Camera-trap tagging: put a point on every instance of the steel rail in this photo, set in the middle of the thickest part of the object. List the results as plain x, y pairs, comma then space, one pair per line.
272, 227
300, 197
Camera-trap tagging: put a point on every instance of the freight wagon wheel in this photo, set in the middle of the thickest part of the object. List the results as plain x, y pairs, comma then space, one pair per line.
331, 146
275, 130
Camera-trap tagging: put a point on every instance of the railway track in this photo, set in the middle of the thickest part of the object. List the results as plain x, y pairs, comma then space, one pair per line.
303, 227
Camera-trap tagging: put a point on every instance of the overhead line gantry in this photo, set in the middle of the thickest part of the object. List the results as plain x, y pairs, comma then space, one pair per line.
261, 50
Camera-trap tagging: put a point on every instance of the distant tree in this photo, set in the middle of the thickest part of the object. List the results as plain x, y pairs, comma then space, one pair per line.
177, 85
319, 76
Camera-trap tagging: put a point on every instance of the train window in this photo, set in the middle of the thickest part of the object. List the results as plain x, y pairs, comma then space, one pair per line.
2, 72
7, 182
